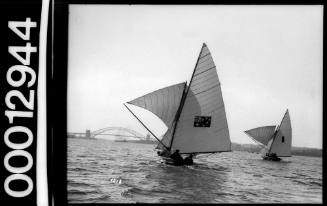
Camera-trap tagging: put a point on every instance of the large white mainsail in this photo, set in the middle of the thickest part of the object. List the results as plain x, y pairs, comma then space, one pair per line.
282, 142
202, 125
262, 135
164, 104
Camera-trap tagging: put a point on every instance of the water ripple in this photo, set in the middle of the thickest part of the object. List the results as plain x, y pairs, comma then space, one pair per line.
101, 171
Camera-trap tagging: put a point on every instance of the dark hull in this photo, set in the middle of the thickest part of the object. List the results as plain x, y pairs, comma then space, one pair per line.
169, 161
271, 158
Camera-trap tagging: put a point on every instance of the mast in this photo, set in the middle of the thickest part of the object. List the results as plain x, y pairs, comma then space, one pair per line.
183, 99
146, 127
178, 114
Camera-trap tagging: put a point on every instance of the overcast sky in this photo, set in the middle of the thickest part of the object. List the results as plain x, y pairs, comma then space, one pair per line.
268, 59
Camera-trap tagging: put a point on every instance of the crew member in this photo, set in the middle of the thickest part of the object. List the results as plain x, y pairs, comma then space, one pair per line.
188, 160
178, 160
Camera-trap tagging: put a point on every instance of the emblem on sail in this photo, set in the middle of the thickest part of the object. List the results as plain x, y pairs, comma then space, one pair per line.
202, 121
194, 114
275, 143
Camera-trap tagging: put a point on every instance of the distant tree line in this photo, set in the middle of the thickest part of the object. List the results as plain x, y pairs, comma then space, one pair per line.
299, 151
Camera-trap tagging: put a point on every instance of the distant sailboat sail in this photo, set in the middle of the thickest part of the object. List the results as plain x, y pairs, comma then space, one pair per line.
262, 135
282, 143
277, 142
194, 114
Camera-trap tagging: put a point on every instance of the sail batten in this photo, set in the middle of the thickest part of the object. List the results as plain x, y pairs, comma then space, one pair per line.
204, 71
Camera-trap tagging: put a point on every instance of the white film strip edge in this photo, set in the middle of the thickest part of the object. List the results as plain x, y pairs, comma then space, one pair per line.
41, 148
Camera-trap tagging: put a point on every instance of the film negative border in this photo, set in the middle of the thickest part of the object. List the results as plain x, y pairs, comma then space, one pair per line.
23, 123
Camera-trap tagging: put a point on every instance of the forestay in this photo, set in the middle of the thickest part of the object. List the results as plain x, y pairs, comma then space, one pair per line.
282, 142
262, 135
166, 138
202, 126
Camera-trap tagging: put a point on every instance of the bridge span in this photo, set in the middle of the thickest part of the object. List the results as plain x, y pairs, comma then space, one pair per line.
106, 131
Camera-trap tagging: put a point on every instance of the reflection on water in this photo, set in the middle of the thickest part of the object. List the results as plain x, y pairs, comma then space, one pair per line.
102, 171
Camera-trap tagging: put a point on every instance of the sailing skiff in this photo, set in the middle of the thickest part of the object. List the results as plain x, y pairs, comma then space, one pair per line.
275, 142
194, 113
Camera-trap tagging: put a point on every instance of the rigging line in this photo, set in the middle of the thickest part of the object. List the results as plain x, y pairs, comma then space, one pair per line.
145, 126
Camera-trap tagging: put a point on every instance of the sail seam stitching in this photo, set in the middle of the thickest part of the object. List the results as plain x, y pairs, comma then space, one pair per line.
205, 77
204, 55
202, 65
207, 89
205, 71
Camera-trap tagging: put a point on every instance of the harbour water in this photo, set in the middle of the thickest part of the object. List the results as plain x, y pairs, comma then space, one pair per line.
102, 171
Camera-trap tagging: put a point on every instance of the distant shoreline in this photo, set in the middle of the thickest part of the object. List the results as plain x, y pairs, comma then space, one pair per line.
297, 151
252, 148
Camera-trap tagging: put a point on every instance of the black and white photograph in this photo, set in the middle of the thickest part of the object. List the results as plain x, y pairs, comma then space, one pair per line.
194, 103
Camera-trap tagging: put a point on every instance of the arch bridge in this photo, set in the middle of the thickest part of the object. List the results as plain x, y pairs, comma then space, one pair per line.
106, 131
